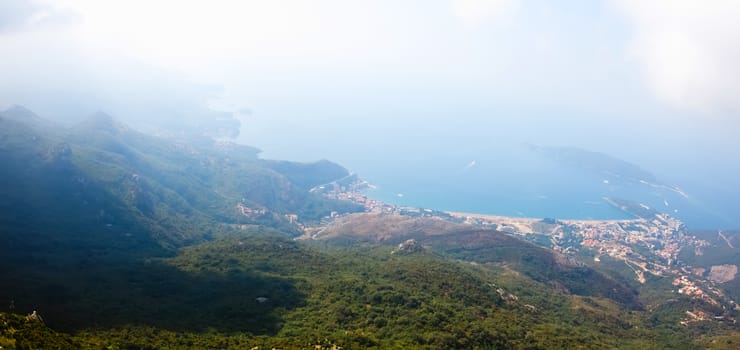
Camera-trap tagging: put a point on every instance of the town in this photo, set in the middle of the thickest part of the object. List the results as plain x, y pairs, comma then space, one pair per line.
648, 245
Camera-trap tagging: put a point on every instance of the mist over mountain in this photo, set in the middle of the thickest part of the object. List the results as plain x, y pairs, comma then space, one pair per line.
599, 163
131, 182
410, 105
113, 234
467, 174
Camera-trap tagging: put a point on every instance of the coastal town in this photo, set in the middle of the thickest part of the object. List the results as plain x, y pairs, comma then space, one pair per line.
649, 244
646, 246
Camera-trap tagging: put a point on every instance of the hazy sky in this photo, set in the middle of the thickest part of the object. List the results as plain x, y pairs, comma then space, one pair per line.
367, 82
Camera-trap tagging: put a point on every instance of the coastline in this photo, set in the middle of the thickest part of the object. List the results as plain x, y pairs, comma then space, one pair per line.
529, 220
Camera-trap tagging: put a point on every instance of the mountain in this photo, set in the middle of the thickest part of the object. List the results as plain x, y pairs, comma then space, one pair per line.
715, 255
157, 179
596, 162
595, 175
104, 196
112, 238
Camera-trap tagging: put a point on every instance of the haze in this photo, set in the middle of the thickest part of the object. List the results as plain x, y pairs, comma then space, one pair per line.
400, 90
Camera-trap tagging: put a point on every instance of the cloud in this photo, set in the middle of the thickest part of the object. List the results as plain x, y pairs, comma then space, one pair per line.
688, 51
19, 15
51, 65
60, 78
14, 14
477, 11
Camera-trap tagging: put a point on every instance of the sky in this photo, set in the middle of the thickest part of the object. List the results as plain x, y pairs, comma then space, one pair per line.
384, 86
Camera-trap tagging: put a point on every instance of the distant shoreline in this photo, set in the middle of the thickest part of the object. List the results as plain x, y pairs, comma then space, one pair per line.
502, 218
614, 214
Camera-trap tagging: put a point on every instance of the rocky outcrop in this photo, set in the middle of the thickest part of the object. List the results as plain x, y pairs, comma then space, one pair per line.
409, 246
723, 273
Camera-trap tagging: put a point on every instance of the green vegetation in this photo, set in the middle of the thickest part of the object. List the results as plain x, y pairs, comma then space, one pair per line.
718, 252
29, 332
361, 297
536, 263
126, 241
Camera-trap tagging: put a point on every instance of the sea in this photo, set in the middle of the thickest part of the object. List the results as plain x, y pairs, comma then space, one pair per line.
530, 186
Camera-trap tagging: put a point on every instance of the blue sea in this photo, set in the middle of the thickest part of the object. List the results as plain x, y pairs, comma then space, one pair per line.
529, 186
